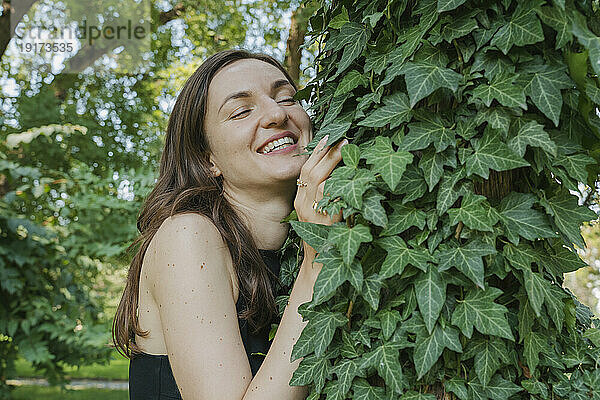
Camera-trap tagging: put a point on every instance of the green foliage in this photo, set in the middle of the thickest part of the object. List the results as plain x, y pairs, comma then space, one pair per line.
54, 393
52, 310
116, 369
471, 124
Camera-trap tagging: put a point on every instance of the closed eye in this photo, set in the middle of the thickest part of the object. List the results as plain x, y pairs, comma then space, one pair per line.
288, 100
238, 114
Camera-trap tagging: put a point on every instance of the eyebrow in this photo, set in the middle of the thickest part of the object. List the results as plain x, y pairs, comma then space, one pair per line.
243, 94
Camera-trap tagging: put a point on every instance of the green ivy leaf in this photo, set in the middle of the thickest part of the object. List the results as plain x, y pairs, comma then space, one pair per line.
575, 165
522, 29
502, 89
535, 343
492, 153
318, 333
355, 39
479, 310
466, 259
333, 273
521, 219
431, 130
544, 89
395, 111
568, 215
373, 210
351, 155
311, 369
313, 234
389, 319
501, 389
335, 130
351, 81
351, 190
432, 164
399, 256
412, 395
364, 391
422, 79
385, 359
532, 134
557, 19
339, 20
348, 240
588, 39
429, 348
447, 193
456, 385
403, 218
389, 163
448, 5
459, 27
535, 387
346, 370
370, 290
475, 212
430, 289
490, 353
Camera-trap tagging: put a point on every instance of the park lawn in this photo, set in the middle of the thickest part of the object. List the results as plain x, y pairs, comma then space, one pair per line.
117, 369
55, 393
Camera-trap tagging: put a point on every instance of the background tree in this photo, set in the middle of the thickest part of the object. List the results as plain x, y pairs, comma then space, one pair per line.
471, 123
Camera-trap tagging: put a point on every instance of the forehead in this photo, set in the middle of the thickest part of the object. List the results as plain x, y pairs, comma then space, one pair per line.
247, 74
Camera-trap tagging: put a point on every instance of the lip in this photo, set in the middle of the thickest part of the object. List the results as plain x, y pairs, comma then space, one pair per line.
278, 136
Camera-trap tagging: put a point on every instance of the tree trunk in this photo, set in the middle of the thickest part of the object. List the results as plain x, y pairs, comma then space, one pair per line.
293, 53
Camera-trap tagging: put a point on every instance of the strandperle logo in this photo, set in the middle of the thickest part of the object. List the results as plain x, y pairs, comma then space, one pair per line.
77, 34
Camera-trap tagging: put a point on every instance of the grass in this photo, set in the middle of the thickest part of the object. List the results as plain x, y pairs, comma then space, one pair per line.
49, 393
117, 369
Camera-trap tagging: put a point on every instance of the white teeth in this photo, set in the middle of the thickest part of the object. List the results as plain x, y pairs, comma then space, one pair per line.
275, 143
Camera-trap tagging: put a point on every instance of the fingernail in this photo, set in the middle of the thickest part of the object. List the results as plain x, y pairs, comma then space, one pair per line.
344, 142
324, 140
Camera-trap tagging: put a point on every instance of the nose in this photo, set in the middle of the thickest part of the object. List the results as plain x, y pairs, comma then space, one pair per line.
274, 115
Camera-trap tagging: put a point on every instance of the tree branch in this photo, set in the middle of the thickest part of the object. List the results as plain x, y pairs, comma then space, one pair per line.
174, 13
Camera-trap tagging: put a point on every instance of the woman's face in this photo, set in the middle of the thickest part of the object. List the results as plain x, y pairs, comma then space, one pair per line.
249, 102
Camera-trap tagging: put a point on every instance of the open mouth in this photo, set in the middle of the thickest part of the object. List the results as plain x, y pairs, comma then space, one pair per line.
279, 145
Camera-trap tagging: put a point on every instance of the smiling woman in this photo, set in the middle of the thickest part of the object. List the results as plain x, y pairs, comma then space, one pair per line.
209, 234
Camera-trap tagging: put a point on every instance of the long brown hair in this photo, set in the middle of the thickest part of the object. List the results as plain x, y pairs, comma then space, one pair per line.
186, 184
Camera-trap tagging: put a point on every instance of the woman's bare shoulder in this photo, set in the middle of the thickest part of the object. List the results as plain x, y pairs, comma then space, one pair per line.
188, 234
187, 227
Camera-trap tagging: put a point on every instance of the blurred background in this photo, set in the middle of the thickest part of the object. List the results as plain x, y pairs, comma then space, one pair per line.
81, 128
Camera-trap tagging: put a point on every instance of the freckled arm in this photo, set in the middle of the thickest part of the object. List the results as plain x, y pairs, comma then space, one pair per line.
272, 379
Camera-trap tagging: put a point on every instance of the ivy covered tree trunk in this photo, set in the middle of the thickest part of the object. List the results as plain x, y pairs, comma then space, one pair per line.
472, 124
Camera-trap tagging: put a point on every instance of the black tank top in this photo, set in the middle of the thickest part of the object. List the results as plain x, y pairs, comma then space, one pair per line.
151, 377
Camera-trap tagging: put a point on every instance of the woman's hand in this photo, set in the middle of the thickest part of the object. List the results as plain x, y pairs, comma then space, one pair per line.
314, 172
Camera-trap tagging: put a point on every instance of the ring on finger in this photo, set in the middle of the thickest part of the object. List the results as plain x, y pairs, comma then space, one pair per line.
317, 208
301, 183
314, 205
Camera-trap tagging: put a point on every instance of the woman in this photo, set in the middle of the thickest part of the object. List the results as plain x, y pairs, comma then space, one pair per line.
210, 230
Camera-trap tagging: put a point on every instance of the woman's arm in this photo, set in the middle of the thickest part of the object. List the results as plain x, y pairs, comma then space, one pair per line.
191, 285
273, 377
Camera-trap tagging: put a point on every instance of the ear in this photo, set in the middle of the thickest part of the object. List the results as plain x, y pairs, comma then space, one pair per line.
214, 169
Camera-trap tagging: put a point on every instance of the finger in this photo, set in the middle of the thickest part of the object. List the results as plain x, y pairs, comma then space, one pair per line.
320, 189
326, 164
315, 156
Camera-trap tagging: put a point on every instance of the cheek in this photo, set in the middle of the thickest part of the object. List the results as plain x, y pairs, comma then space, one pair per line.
302, 119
